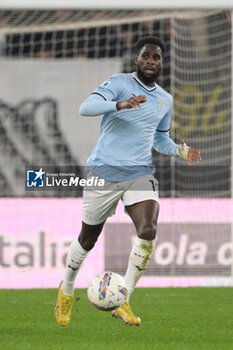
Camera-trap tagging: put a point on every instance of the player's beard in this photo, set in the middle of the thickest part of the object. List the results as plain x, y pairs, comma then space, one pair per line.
147, 80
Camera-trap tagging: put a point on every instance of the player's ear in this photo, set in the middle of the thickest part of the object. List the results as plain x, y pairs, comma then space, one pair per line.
136, 59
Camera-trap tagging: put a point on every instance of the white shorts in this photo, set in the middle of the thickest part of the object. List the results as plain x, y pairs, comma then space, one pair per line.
100, 203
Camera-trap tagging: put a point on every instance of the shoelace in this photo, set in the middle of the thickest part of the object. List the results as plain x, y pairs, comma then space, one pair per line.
66, 305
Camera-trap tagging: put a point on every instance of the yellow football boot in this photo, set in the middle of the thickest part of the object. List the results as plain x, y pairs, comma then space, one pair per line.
63, 307
126, 314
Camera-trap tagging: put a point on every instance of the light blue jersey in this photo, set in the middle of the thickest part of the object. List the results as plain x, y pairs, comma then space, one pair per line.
123, 151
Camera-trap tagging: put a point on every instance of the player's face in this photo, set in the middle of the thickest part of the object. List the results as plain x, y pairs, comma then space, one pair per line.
149, 63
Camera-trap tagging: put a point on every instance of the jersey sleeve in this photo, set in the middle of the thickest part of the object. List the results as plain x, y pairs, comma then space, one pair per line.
164, 144
111, 88
162, 141
96, 105
165, 122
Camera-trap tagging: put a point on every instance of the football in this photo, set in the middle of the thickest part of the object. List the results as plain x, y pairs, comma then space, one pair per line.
107, 291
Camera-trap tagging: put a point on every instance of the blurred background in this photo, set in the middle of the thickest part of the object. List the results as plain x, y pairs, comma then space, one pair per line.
51, 60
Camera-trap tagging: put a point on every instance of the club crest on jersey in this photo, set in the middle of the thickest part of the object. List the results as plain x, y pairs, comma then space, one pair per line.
160, 104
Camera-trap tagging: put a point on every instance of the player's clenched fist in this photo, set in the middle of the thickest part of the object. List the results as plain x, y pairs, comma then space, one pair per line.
132, 102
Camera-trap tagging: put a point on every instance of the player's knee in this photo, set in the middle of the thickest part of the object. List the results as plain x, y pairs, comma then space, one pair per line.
89, 235
87, 241
147, 232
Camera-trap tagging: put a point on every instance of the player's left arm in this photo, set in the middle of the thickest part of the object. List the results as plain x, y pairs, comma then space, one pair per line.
188, 153
165, 145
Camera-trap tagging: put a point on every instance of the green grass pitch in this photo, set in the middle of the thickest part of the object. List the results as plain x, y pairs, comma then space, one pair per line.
172, 319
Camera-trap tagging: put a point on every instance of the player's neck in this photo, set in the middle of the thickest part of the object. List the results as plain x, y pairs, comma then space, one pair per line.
144, 80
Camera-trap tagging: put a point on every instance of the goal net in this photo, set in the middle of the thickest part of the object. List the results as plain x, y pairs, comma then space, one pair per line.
51, 61
201, 85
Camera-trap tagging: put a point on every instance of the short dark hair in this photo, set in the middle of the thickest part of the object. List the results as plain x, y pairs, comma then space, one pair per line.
154, 40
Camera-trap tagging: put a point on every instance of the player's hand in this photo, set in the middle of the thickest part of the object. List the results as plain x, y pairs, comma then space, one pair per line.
132, 102
188, 153
193, 154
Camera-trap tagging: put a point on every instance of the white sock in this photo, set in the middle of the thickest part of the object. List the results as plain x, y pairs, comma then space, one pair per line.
138, 260
75, 258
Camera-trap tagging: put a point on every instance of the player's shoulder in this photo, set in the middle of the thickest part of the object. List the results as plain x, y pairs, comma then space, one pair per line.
116, 80
120, 76
164, 93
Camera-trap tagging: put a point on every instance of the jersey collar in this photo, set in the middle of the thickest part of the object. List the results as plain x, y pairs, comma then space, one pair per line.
146, 87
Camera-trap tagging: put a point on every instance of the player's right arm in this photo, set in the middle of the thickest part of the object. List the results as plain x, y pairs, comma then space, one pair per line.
105, 98
96, 105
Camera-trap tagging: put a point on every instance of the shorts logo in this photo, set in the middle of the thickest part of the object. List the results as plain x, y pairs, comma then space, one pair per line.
35, 178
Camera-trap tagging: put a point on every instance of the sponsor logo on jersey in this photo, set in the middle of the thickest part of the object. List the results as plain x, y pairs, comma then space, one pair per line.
104, 84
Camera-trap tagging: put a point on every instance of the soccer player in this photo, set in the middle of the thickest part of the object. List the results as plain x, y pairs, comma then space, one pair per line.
136, 117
